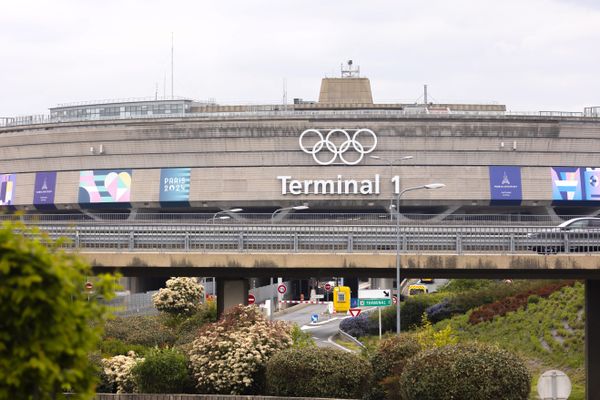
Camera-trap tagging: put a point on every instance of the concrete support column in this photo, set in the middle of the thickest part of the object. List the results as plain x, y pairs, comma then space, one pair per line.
230, 293
592, 339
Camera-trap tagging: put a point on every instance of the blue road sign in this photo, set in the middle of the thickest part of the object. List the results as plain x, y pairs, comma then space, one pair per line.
314, 318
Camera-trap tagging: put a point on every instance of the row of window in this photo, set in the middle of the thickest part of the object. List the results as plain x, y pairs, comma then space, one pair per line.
125, 111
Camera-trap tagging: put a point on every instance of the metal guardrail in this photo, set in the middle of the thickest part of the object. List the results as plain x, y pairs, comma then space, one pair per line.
327, 238
292, 218
283, 112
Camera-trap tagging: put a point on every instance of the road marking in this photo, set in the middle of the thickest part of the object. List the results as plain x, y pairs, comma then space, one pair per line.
338, 345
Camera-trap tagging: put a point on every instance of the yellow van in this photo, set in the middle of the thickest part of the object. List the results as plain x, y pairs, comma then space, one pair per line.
414, 290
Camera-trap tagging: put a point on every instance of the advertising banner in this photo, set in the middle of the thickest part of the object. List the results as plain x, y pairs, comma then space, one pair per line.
43, 190
505, 183
105, 186
7, 189
566, 183
591, 184
175, 184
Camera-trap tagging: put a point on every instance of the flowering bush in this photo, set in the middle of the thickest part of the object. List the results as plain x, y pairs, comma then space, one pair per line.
181, 296
118, 371
229, 356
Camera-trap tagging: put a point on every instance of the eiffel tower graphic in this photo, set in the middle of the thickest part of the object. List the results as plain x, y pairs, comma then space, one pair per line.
505, 180
45, 185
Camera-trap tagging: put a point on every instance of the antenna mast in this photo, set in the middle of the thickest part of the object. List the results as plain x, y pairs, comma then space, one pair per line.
284, 92
172, 97
350, 72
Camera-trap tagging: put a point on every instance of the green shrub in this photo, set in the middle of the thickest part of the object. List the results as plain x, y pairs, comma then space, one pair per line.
163, 371
143, 330
115, 347
467, 371
317, 372
187, 328
388, 362
411, 313
301, 339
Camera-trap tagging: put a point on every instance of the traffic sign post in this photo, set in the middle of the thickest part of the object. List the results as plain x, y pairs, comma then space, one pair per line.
374, 302
251, 299
355, 312
282, 289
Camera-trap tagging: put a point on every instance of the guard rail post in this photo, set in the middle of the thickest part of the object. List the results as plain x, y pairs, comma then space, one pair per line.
186, 244
241, 242
77, 239
566, 241
350, 243
131, 241
512, 243
295, 242
458, 243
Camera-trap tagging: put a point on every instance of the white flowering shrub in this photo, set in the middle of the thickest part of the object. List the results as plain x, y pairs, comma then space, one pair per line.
229, 355
181, 296
118, 371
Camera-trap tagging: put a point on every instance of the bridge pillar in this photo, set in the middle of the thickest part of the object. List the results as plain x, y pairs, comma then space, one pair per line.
592, 338
230, 293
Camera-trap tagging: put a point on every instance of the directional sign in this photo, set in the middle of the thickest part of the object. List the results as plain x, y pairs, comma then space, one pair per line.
375, 294
314, 318
355, 312
251, 299
282, 288
374, 302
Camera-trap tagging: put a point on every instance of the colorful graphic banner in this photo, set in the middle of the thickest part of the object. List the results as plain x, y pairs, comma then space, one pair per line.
105, 186
44, 188
566, 183
7, 189
505, 183
175, 184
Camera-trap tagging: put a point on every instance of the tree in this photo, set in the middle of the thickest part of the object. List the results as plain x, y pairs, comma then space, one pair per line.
182, 296
48, 322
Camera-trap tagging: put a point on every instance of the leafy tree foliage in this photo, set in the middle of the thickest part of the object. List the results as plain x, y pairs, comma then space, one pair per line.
48, 322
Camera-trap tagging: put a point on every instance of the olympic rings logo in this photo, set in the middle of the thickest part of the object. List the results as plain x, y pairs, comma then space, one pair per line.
348, 145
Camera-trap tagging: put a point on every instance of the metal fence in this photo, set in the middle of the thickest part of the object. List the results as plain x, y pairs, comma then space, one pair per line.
337, 239
278, 111
133, 304
292, 218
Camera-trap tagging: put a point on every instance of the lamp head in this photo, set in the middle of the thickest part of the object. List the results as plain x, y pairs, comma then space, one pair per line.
235, 210
302, 207
434, 186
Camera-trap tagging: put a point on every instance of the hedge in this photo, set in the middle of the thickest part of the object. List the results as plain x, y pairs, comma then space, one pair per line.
318, 372
465, 371
163, 371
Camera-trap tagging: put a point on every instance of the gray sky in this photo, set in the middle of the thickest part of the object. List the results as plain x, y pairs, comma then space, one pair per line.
530, 55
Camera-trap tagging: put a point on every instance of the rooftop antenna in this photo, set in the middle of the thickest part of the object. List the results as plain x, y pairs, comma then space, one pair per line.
350, 72
425, 94
284, 92
156, 91
172, 97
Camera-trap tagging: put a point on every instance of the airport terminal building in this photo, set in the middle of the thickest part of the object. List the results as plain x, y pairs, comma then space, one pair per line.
340, 154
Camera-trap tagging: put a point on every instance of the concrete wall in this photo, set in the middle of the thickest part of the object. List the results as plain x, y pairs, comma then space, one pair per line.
236, 162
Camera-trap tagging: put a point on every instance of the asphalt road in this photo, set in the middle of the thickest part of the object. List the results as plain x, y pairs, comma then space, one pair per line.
323, 331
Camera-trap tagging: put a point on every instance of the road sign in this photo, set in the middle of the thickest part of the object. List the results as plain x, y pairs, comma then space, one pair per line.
374, 302
395, 299
327, 287
282, 288
355, 312
251, 299
314, 318
375, 294
554, 385
89, 286
319, 296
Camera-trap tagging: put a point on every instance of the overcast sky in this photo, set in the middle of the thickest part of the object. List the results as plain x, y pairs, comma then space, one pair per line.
530, 55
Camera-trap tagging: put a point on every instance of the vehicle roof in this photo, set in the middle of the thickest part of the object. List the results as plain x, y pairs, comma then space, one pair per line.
569, 222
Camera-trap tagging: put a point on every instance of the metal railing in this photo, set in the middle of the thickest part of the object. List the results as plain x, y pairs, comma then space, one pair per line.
325, 239
292, 218
283, 111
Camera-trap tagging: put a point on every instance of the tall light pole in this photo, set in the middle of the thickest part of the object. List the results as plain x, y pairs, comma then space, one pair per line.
391, 162
295, 208
220, 215
428, 186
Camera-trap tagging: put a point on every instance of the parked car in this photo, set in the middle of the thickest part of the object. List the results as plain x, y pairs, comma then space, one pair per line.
577, 234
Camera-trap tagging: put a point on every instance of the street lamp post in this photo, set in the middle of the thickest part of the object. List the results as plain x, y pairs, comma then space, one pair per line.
220, 215
391, 163
428, 186
279, 210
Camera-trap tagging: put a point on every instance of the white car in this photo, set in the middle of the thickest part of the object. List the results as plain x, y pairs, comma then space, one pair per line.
577, 234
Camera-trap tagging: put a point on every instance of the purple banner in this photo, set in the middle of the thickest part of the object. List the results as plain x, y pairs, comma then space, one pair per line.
45, 185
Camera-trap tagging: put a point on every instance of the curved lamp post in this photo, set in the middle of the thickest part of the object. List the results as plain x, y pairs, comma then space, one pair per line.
391, 163
428, 186
295, 208
221, 214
